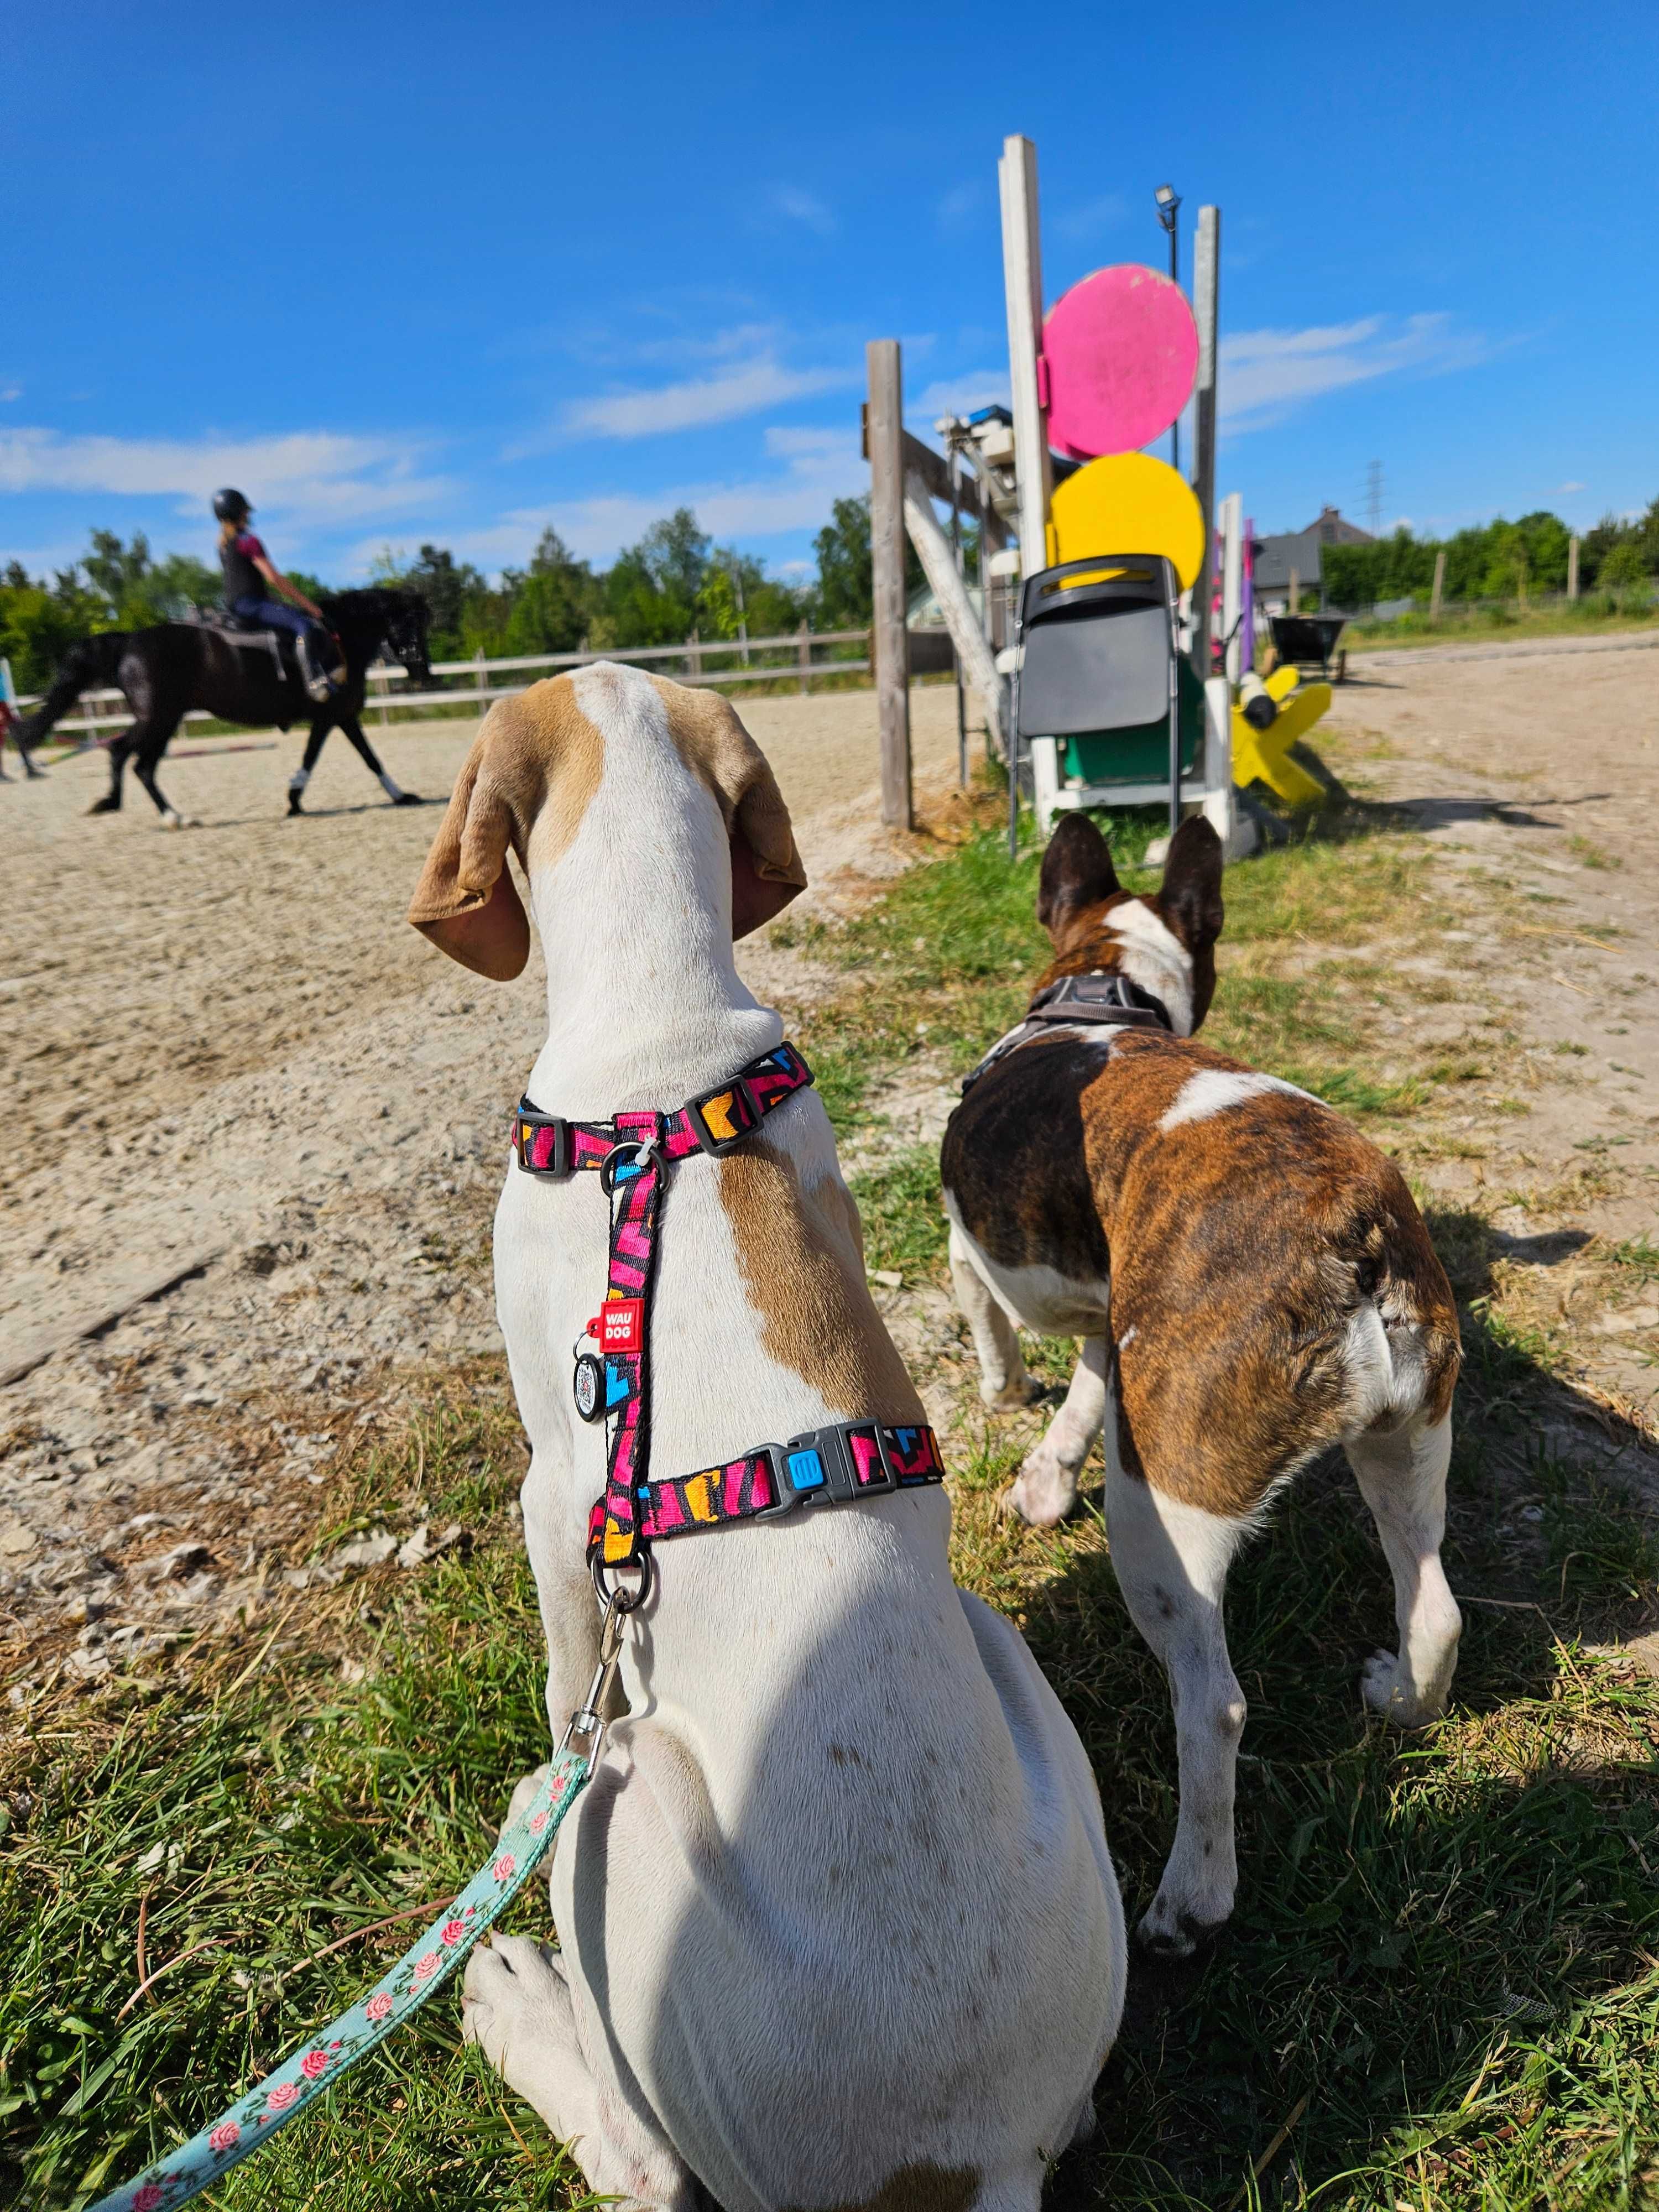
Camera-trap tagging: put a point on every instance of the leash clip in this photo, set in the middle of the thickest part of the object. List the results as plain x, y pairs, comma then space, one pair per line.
586, 1727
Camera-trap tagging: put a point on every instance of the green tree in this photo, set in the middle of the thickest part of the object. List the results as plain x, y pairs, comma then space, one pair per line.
845, 595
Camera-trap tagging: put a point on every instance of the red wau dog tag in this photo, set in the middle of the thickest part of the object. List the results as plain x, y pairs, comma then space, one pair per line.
622, 1325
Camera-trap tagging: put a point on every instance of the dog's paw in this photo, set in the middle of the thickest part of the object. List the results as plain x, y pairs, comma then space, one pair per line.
515, 2004
1011, 1397
1044, 1493
1381, 1687
1168, 1930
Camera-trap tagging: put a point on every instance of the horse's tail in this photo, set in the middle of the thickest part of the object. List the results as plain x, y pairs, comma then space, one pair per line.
91, 664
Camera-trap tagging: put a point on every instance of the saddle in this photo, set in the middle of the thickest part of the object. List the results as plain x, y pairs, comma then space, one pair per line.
245, 635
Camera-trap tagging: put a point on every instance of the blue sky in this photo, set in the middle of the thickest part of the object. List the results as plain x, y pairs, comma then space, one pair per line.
409, 272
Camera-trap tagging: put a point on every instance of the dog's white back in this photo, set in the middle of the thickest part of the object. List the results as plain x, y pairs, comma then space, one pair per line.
837, 1918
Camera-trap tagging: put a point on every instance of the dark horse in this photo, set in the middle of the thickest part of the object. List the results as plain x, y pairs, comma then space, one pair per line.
166, 671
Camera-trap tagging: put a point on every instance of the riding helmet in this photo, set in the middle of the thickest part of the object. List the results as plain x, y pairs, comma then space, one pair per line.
230, 506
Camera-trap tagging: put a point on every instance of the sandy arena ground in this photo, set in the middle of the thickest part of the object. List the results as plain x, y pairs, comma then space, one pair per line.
256, 1124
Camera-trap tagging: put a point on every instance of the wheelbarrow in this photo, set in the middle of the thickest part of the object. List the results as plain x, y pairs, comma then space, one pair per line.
1309, 642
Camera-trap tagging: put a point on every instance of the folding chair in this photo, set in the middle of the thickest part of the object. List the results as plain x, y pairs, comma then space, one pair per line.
1101, 674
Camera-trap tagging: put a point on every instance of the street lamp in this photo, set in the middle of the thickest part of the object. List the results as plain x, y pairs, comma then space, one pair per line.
1169, 208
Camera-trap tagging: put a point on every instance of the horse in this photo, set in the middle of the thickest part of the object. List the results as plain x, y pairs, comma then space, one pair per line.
166, 671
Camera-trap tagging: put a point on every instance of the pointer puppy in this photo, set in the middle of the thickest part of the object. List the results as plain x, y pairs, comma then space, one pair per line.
838, 1922
1252, 1284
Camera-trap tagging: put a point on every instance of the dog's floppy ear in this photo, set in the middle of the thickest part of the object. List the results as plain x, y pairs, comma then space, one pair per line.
466, 901
766, 869
1190, 899
1077, 872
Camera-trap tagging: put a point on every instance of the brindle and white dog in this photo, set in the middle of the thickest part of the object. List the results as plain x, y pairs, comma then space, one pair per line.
1252, 1285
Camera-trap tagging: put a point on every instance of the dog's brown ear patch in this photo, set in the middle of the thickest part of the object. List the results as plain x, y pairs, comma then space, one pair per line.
1077, 872
534, 765
466, 902
1190, 900
766, 868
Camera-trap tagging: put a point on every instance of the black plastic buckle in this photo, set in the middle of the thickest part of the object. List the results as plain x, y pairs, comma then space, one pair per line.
717, 1147
525, 1120
889, 1479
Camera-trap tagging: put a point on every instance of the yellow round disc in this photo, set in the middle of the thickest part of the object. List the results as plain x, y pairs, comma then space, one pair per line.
1127, 503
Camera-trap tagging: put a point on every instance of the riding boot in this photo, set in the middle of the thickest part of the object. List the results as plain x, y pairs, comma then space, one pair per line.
318, 687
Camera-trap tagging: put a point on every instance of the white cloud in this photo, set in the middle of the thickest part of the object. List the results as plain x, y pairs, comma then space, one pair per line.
1561, 490
10, 392
744, 388
798, 206
316, 474
824, 464
1080, 223
960, 395
959, 205
1264, 374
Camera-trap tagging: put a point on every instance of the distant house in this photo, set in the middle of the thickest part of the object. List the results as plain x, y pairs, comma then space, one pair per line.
1299, 551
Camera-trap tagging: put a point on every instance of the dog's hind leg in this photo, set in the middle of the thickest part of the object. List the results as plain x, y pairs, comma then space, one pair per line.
1403, 1478
1004, 1383
1045, 1490
518, 2008
1171, 1562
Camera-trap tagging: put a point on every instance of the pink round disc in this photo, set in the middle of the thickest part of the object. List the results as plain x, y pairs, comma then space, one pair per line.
1122, 349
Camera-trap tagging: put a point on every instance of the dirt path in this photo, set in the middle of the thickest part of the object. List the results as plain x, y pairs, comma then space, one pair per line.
1535, 777
229, 1061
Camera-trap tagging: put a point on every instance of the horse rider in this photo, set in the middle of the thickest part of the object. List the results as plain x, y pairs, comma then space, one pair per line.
250, 578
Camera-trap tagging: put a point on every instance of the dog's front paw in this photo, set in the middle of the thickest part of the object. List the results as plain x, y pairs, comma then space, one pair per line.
515, 2004
1044, 1493
1382, 1687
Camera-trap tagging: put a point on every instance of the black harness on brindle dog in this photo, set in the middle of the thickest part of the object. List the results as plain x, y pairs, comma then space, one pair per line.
1102, 998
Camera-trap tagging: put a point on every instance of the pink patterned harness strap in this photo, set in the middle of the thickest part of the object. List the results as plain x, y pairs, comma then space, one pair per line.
633, 1153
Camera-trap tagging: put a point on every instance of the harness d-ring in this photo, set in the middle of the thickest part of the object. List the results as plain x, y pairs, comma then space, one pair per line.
642, 1149
621, 1599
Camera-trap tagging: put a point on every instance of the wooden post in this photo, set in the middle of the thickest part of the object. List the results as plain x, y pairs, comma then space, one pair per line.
1296, 592
1437, 591
888, 646
1207, 309
482, 680
383, 684
804, 655
694, 659
1572, 568
1021, 282
933, 550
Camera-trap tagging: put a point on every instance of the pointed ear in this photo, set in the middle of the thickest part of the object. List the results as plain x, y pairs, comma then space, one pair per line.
466, 902
1190, 899
1077, 872
766, 869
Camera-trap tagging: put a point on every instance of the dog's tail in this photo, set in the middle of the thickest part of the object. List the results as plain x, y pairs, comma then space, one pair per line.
1402, 1350
93, 663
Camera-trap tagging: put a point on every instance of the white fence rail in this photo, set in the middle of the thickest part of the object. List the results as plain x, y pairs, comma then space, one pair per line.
696, 653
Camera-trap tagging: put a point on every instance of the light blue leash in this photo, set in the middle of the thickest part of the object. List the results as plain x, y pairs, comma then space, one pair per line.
423, 1968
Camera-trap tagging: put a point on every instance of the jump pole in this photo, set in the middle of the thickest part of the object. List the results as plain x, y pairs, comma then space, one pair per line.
1022, 279
889, 647
1206, 301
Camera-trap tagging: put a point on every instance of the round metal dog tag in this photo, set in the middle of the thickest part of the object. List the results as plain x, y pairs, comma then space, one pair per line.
588, 1385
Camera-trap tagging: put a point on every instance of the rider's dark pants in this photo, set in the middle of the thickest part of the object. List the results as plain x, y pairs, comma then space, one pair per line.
274, 614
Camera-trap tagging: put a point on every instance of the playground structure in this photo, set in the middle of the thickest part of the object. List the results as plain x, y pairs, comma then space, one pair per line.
1091, 647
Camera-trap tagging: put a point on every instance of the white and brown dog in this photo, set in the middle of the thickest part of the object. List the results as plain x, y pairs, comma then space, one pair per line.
838, 1922
1252, 1285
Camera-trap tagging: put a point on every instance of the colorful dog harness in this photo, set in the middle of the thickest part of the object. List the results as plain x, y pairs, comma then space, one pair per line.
1103, 997
633, 1153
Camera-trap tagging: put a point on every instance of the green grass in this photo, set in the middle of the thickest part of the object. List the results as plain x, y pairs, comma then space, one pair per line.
1441, 1987
1597, 614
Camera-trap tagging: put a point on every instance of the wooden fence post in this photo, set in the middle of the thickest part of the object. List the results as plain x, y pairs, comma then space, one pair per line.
1572, 568
483, 681
889, 647
804, 655
1296, 592
1437, 591
693, 658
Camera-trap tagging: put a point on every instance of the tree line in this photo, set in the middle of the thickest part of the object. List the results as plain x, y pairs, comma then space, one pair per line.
1499, 560
676, 580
